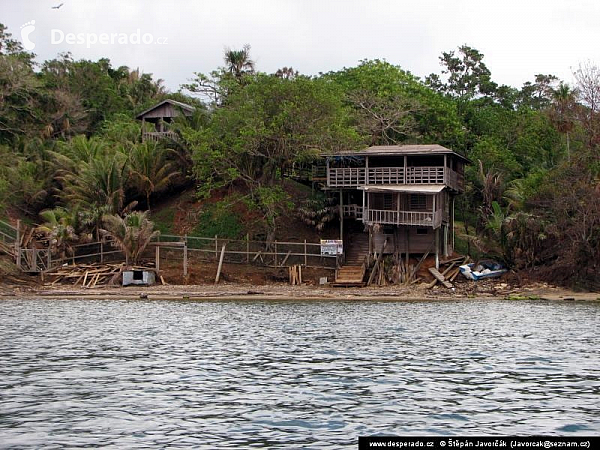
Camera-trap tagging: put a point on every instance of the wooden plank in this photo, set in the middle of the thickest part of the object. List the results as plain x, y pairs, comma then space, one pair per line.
376, 266
444, 273
286, 258
220, 264
438, 276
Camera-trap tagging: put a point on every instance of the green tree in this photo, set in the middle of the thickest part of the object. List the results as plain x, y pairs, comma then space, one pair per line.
467, 75
131, 234
62, 228
238, 62
389, 105
562, 112
150, 170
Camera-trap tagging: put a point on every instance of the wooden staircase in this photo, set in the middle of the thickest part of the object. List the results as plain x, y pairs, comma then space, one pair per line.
352, 273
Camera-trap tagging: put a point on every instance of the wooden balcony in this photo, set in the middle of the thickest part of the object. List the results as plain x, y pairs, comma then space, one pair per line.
349, 177
156, 136
353, 211
419, 218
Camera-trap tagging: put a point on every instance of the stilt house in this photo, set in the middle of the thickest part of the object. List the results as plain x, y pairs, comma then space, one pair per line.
403, 194
162, 115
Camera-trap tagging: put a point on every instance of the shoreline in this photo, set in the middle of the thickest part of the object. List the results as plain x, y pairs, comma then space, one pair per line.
285, 292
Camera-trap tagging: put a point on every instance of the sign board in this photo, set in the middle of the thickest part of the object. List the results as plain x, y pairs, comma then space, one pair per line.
332, 247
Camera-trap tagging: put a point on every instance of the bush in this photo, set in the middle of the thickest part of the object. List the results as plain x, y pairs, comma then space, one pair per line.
218, 220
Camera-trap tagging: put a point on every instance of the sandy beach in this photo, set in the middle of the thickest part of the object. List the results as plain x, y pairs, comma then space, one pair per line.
282, 291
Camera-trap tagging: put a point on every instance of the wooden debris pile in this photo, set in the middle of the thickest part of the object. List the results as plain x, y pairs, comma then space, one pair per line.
450, 272
91, 275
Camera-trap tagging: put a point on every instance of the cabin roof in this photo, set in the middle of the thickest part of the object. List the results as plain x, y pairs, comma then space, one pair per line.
411, 189
401, 150
184, 106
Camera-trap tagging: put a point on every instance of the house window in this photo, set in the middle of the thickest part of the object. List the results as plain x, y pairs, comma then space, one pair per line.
418, 202
388, 201
421, 230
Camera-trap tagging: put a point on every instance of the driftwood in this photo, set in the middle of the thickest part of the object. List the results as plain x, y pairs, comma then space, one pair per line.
91, 275
377, 263
440, 277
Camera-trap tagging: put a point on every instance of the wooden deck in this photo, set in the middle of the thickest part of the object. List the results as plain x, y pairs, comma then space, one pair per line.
351, 177
425, 219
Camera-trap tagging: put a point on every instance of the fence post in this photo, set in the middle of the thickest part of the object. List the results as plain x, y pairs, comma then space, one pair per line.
305, 254
18, 244
49, 259
220, 264
157, 258
275, 253
216, 246
185, 257
101, 252
247, 248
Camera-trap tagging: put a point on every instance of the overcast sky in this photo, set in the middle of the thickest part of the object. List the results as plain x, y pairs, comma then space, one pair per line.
518, 38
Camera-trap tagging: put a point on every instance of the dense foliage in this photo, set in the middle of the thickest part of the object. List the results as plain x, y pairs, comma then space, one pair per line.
71, 153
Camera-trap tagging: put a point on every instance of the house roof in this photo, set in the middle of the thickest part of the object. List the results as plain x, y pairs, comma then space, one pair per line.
401, 150
184, 106
411, 189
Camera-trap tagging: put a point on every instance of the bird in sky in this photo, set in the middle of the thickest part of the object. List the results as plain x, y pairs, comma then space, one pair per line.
58, 6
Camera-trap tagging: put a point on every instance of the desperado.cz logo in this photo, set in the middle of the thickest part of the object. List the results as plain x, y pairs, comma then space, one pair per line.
26, 29
89, 39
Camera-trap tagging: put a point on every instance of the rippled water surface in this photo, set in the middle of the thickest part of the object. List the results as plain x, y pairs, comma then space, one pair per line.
294, 374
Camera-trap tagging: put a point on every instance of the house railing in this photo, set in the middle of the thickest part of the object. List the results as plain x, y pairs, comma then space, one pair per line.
346, 177
157, 136
360, 176
353, 211
421, 218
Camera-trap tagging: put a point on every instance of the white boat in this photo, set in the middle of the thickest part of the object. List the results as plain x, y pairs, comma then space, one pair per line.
482, 269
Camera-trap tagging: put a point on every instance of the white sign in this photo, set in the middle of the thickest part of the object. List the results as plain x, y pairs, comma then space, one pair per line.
332, 247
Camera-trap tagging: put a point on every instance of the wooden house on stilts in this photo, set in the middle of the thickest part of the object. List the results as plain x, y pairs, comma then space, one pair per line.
403, 195
161, 116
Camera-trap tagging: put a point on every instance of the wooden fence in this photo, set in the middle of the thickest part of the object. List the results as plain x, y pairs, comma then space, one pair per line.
246, 251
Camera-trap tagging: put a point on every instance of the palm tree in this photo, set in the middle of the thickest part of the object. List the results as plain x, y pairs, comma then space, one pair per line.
62, 228
99, 181
150, 170
238, 62
131, 233
562, 111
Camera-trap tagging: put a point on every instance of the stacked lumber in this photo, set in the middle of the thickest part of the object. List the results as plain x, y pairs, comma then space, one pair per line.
91, 275
295, 274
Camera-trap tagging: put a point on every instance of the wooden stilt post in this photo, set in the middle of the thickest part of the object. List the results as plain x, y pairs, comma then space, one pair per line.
407, 248
220, 264
341, 215
437, 248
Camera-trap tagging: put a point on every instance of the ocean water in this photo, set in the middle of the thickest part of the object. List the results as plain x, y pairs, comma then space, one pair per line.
292, 374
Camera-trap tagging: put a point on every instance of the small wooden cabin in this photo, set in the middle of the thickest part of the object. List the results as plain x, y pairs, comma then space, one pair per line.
162, 115
402, 193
